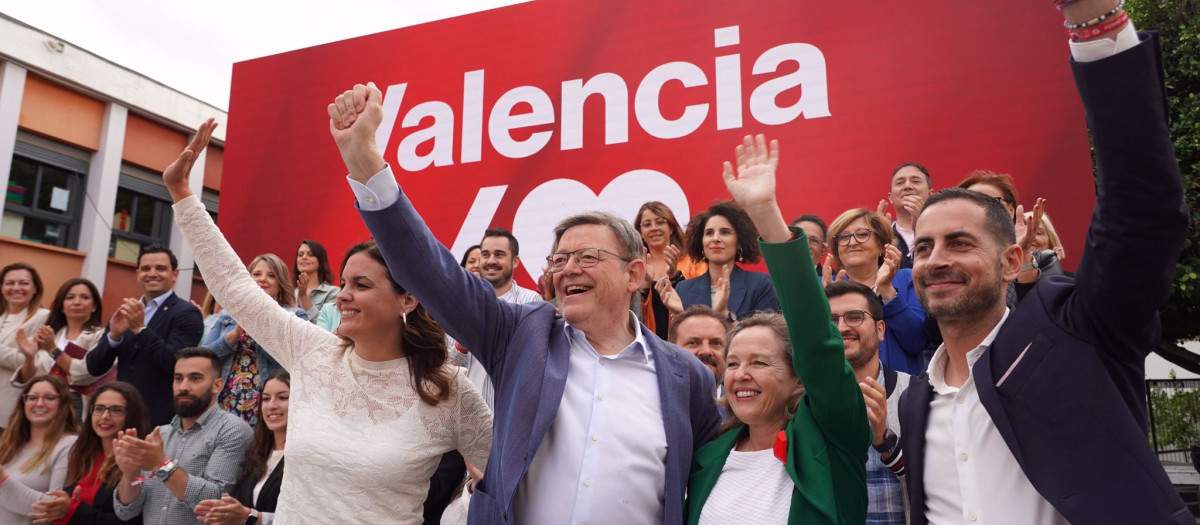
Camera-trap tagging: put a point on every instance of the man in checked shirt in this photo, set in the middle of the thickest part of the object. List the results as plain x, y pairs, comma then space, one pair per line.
195, 457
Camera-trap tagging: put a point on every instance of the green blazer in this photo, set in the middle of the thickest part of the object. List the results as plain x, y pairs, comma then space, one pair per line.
828, 437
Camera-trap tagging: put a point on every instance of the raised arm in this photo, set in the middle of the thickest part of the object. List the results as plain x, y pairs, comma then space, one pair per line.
1140, 220
287, 337
463, 304
817, 353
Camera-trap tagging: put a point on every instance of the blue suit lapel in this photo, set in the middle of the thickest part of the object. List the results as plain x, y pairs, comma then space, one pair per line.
672, 383
914, 421
737, 290
164, 313
985, 372
554, 382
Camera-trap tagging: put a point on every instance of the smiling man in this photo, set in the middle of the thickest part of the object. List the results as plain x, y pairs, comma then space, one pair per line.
144, 334
1038, 415
588, 403
910, 188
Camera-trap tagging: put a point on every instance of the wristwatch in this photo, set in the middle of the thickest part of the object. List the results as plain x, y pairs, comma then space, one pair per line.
164, 472
55, 353
889, 442
252, 519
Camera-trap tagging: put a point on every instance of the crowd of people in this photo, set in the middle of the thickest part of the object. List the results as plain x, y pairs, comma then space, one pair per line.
649, 378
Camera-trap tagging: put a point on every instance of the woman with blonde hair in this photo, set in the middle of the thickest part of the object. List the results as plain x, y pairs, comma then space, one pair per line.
21, 293
860, 246
245, 365
35, 445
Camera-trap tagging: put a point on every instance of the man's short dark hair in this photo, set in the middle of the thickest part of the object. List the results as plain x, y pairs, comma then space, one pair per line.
918, 167
840, 288
808, 217
697, 310
155, 247
997, 221
513, 246
203, 353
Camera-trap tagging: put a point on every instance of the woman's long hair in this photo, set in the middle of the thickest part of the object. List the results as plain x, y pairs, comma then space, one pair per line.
18, 431
663, 211
89, 447
424, 341
58, 317
255, 465
35, 302
324, 269
286, 296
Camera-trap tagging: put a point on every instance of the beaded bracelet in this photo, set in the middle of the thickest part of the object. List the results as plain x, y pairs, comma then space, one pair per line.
1098, 20
1094, 31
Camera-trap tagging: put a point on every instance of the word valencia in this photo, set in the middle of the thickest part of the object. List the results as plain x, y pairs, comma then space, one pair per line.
503, 118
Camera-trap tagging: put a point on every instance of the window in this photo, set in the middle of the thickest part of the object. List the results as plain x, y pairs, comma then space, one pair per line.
44, 197
142, 215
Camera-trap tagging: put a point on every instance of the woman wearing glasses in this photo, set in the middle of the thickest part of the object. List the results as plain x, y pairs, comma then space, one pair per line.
723, 235
665, 259
862, 250
34, 447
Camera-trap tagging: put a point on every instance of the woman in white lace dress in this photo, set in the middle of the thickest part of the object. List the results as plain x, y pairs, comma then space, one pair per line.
371, 411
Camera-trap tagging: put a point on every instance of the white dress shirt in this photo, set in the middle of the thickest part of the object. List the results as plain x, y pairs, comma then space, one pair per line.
971, 476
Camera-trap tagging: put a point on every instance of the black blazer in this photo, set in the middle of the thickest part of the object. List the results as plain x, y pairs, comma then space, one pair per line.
268, 497
101, 511
1064, 379
147, 360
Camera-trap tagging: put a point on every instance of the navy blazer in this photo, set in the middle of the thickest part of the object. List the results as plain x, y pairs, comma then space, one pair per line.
749, 292
147, 360
1064, 379
525, 350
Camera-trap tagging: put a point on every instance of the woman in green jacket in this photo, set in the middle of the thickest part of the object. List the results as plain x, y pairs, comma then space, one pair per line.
795, 442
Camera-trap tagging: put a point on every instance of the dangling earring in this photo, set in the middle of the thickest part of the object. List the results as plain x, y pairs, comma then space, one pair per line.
739, 255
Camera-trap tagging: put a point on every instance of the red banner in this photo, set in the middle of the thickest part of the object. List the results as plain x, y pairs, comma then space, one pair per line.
523, 115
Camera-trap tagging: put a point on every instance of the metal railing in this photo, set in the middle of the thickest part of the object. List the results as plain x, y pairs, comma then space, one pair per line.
1173, 406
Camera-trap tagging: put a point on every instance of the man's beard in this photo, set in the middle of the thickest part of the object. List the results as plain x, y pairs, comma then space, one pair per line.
196, 407
971, 303
864, 355
500, 280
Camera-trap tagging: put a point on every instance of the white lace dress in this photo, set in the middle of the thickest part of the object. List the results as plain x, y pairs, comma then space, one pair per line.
361, 444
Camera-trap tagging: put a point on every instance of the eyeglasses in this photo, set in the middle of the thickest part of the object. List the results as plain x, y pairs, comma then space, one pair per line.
584, 258
33, 398
860, 236
853, 317
815, 242
656, 222
115, 410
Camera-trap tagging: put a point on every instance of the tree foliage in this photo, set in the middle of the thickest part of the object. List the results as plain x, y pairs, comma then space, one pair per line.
1178, 24
1175, 409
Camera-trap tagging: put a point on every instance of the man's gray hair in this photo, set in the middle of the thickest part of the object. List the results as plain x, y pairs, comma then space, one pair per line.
628, 239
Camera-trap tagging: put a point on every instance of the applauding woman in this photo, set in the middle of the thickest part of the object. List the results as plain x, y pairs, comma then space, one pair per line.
723, 235
257, 490
374, 408
861, 242
34, 448
20, 307
665, 260
313, 277
794, 447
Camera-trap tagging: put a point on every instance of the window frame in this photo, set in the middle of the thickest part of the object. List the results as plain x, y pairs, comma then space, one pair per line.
69, 220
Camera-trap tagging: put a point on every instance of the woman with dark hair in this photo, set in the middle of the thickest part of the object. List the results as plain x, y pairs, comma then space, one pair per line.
21, 293
665, 259
861, 247
245, 364
92, 473
723, 235
75, 327
257, 490
470, 259
34, 447
313, 277
375, 406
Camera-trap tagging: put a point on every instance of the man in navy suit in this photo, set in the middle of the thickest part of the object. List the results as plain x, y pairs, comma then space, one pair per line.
144, 334
596, 417
1037, 415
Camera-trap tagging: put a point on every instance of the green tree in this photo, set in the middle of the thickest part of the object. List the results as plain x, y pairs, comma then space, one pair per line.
1178, 24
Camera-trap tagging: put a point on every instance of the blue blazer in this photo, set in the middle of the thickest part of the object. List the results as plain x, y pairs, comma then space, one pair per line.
525, 350
148, 359
1064, 379
749, 292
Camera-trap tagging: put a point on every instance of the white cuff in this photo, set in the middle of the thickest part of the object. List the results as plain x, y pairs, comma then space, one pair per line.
1094, 50
380, 191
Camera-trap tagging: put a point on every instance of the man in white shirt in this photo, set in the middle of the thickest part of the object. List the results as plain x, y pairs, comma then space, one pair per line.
589, 402
499, 257
1038, 415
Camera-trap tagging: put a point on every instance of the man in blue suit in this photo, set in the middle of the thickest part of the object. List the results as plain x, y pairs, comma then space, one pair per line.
1037, 415
596, 418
